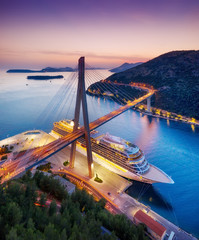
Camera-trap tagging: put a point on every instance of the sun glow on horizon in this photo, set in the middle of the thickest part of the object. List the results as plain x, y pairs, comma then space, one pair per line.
107, 33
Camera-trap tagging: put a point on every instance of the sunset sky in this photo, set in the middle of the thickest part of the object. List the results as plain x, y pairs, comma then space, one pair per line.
40, 33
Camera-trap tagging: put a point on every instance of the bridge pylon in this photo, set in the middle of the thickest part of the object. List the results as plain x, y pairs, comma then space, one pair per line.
81, 98
149, 104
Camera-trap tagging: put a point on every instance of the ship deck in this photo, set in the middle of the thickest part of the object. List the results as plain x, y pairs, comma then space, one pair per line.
157, 175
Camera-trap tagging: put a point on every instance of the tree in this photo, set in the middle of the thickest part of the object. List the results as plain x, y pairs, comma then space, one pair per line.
13, 214
42, 200
75, 233
12, 235
140, 229
64, 205
40, 218
65, 223
15, 191
63, 235
102, 203
30, 224
52, 208
50, 232
27, 176
110, 237
29, 235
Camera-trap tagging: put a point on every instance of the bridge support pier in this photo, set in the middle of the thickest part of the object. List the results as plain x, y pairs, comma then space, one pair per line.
149, 104
81, 97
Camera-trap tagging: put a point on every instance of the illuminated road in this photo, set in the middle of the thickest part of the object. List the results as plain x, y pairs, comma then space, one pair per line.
84, 183
33, 157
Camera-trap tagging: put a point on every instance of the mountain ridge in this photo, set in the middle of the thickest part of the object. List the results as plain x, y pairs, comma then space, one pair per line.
175, 74
125, 66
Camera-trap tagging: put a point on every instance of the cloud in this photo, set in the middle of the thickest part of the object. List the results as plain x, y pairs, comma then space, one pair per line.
77, 54
91, 55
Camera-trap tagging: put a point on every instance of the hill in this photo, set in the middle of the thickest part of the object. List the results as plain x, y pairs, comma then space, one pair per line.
124, 67
175, 75
50, 69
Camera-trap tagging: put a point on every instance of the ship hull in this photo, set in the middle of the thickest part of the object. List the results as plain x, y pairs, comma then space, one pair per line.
114, 167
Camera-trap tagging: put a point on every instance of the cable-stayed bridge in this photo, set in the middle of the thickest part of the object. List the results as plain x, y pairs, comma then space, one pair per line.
34, 156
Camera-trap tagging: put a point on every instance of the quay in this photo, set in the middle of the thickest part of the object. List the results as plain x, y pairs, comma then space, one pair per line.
112, 189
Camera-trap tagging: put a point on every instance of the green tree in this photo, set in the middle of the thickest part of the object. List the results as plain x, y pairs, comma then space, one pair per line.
12, 235
75, 233
15, 191
42, 200
40, 218
50, 232
27, 176
52, 208
14, 214
64, 205
102, 203
29, 235
30, 224
63, 235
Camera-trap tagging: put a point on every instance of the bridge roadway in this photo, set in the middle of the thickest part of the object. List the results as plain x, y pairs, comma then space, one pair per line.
34, 156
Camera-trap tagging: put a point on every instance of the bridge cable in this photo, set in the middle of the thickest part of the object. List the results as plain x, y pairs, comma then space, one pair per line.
103, 88
114, 87
57, 100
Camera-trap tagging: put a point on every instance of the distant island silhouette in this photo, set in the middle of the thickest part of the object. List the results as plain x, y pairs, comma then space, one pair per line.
44, 77
47, 69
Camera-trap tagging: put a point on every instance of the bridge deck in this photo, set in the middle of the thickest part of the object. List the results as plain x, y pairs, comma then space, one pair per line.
33, 157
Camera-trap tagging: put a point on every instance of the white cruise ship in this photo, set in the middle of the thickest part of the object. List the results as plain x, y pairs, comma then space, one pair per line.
116, 154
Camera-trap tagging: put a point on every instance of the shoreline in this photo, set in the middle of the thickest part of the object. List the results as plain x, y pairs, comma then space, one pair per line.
166, 118
188, 119
159, 113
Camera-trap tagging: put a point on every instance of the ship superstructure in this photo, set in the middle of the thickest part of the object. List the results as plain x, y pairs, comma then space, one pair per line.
116, 154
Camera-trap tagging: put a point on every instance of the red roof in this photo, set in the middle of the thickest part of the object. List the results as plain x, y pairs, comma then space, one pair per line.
150, 223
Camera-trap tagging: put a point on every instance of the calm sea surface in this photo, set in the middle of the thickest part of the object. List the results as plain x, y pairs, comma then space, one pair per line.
171, 146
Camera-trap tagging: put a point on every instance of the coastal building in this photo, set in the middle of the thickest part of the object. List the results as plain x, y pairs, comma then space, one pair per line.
70, 187
154, 228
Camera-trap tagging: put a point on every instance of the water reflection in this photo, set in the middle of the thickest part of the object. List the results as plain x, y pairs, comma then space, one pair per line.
168, 122
148, 194
148, 133
193, 127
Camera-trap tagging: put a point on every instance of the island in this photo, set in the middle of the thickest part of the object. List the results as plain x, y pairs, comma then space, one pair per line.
47, 69
44, 77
